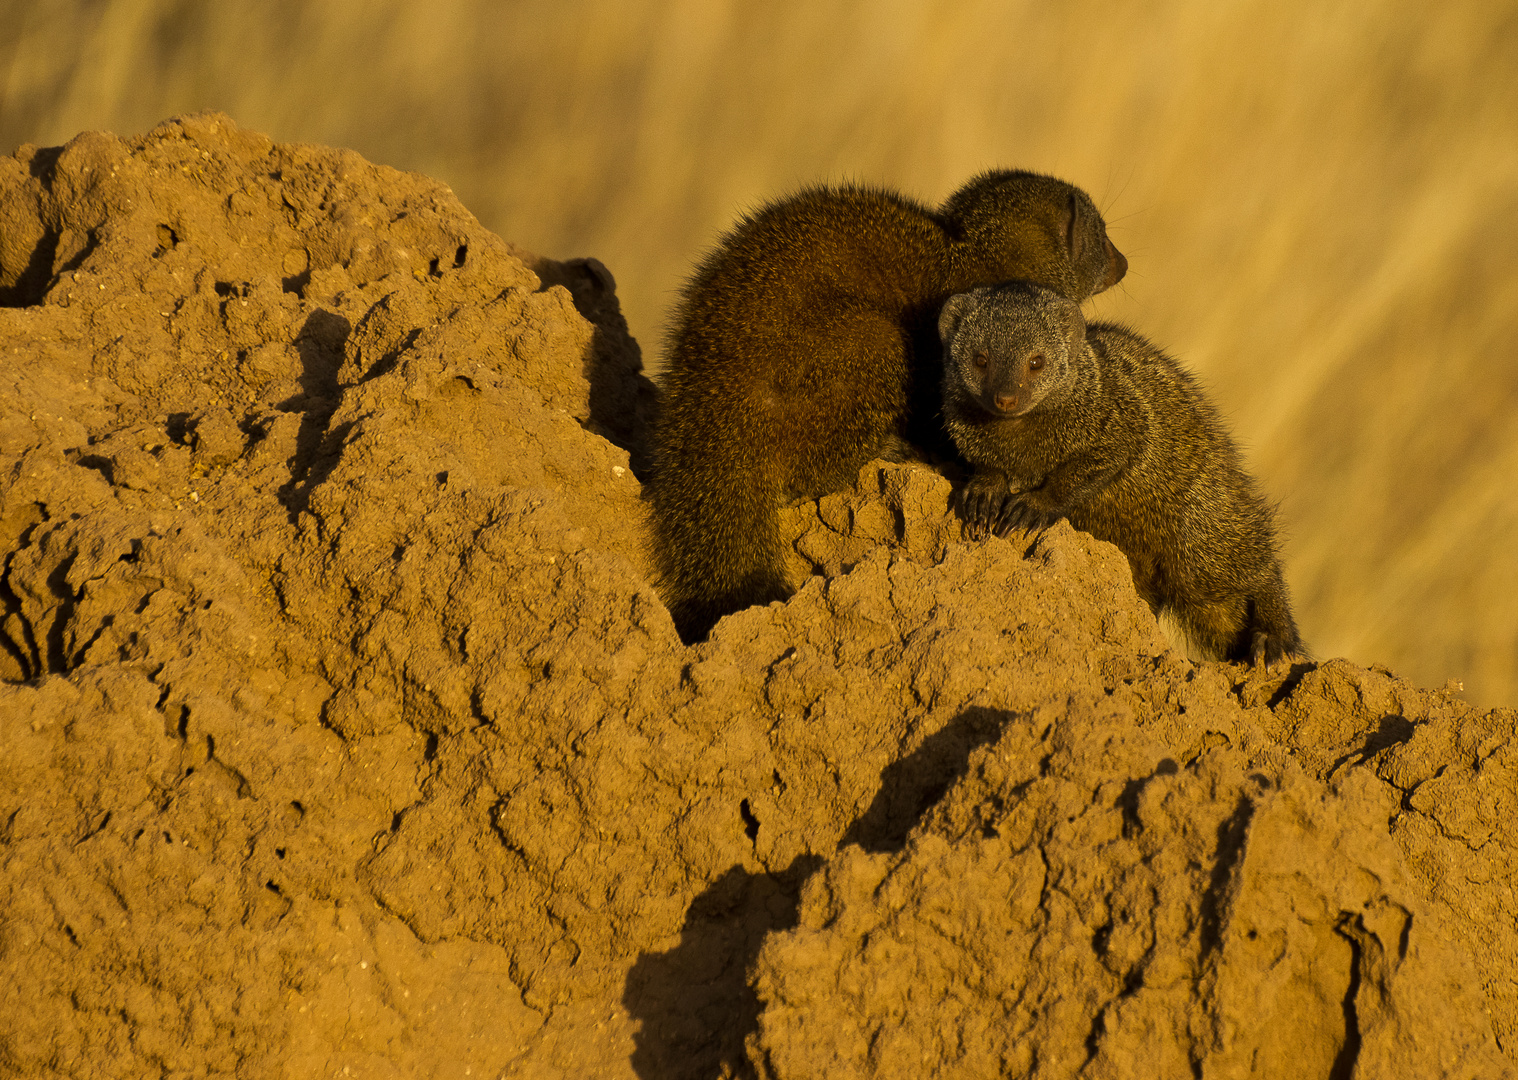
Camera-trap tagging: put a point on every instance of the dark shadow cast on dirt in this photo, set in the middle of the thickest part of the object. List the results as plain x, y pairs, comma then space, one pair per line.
694, 1001
622, 399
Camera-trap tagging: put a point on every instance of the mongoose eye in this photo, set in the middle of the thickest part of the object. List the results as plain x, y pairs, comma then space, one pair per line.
982, 359
1037, 363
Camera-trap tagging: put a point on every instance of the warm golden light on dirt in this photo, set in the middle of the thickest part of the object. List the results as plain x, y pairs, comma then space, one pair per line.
1318, 202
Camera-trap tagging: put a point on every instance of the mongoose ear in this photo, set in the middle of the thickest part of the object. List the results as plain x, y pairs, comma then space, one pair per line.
948, 319
1075, 237
1075, 326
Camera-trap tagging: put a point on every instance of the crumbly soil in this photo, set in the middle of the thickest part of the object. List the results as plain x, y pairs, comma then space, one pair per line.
343, 732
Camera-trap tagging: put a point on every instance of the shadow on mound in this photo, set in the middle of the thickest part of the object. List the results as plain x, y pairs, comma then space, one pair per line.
623, 401
912, 786
695, 1003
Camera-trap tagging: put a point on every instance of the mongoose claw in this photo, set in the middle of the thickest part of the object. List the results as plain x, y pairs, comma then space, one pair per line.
1016, 514
1009, 518
982, 505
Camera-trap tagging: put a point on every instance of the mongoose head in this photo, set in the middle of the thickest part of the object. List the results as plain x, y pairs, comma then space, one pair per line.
1024, 225
1007, 347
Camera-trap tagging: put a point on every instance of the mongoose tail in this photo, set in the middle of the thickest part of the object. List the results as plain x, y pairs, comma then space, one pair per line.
716, 533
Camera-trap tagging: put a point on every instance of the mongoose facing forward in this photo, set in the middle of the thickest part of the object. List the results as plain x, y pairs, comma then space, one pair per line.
806, 344
1097, 425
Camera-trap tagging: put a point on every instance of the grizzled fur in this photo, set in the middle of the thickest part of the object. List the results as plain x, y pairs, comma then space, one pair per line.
806, 344
1095, 424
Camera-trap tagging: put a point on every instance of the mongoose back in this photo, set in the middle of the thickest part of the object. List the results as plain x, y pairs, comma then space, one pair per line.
806, 344
1097, 425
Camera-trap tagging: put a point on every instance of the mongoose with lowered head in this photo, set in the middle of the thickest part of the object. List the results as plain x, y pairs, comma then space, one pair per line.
806, 344
1097, 425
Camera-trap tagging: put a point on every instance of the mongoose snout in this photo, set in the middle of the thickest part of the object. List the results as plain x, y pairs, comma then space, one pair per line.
1009, 374
1118, 266
1011, 400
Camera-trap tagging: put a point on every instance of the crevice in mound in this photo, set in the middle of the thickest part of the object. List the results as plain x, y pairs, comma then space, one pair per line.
57, 252
1232, 833
106, 622
229, 775
58, 584
694, 1001
1094, 1036
94, 830
94, 462
1128, 801
17, 637
296, 495
1351, 928
44, 161
912, 785
24, 652
18, 667
386, 363
32, 283
622, 401
750, 822
177, 428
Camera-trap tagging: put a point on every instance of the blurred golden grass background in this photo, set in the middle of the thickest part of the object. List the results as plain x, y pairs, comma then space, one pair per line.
1319, 202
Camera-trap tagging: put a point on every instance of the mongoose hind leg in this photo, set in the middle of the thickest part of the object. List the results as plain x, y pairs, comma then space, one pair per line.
1250, 629
1270, 628
1214, 628
1269, 648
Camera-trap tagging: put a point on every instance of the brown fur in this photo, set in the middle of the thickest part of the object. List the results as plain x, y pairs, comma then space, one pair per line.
1097, 425
805, 345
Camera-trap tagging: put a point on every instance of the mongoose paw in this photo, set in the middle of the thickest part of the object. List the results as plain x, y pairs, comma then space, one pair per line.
1268, 649
982, 504
990, 508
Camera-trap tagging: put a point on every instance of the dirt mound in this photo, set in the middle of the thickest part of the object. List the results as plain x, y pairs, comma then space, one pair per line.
344, 732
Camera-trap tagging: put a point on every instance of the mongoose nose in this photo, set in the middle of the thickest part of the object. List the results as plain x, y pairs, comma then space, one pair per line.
1006, 402
1117, 266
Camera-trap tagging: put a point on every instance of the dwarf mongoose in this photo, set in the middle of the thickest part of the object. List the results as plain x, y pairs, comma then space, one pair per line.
806, 344
1096, 424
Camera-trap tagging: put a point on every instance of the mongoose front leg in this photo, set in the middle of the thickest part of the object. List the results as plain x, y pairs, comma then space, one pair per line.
1019, 513
1072, 484
991, 507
